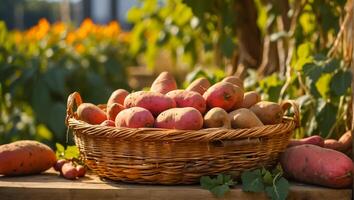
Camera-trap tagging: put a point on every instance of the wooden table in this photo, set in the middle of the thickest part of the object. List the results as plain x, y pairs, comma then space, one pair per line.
48, 186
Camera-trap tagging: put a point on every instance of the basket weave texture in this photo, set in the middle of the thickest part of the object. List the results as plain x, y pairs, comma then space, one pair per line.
165, 156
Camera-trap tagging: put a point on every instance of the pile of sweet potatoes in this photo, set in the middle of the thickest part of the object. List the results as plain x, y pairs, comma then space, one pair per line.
318, 161
200, 105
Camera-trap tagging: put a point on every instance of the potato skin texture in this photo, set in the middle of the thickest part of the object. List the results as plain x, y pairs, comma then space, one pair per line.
313, 164
180, 118
244, 118
69, 171
117, 96
108, 123
113, 110
224, 95
25, 157
91, 113
217, 117
164, 83
249, 99
346, 140
135, 117
153, 101
268, 112
234, 80
199, 85
185, 98
314, 140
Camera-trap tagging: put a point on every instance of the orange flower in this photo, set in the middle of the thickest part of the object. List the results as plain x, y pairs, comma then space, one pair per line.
59, 28
79, 48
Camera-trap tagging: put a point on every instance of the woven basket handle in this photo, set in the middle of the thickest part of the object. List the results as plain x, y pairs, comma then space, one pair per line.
286, 104
74, 98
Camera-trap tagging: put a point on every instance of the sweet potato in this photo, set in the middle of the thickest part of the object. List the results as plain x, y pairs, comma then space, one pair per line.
164, 83
268, 112
113, 109
69, 171
313, 164
135, 117
234, 80
249, 99
25, 157
315, 140
59, 164
224, 95
91, 113
153, 101
180, 118
244, 118
184, 98
333, 144
108, 123
199, 85
81, 171
346, 140
117, 96
217, 117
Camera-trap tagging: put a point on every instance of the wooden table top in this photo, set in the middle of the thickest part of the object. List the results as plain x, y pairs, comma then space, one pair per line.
49, 186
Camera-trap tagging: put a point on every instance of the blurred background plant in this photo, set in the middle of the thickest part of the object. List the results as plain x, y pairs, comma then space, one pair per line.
282, 48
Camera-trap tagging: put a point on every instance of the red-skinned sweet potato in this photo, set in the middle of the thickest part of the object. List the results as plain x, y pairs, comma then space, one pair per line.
164, 83
153, 101
69, 171
91, 113
113, 110
224, 95
180, 118
346, 140
199, 85
234, 80
25, 157
185, 98
315, 140
117, 96
313, 164
135, 117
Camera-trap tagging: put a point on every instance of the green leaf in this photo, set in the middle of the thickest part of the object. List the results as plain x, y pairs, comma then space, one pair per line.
252, 181
267, 178
331, 66
279, 191
71, 152
206, 182
322, 85
340, 82
326, 118
44, 132
218, 185
219, 191
60, 148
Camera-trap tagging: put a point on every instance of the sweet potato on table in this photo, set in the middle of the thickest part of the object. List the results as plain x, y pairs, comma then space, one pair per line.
91, 113
25, 157
164, 83
224, 95
135, 117
153, 101
199, 85
313, 164
184, 98
342, 144
315, 140
180, 118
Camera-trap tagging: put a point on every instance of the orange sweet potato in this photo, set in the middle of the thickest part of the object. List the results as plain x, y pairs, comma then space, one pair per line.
315, 140
199, 85
113, 109
180, 118
153, 101
234, 80
164, 83
184, 98
117, 96
91, 113
25, 157
313, 164
135, 117
224, 95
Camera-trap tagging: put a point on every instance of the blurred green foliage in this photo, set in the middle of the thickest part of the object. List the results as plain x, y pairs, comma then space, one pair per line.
40, 67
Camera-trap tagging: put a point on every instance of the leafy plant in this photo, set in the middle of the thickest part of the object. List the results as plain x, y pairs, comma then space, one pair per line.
262, 180
218, 185
69, 153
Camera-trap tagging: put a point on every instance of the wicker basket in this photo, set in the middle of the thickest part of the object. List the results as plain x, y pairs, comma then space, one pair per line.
164, 156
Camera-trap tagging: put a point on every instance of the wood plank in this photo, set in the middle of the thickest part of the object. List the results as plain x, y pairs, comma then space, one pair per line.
50, 186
